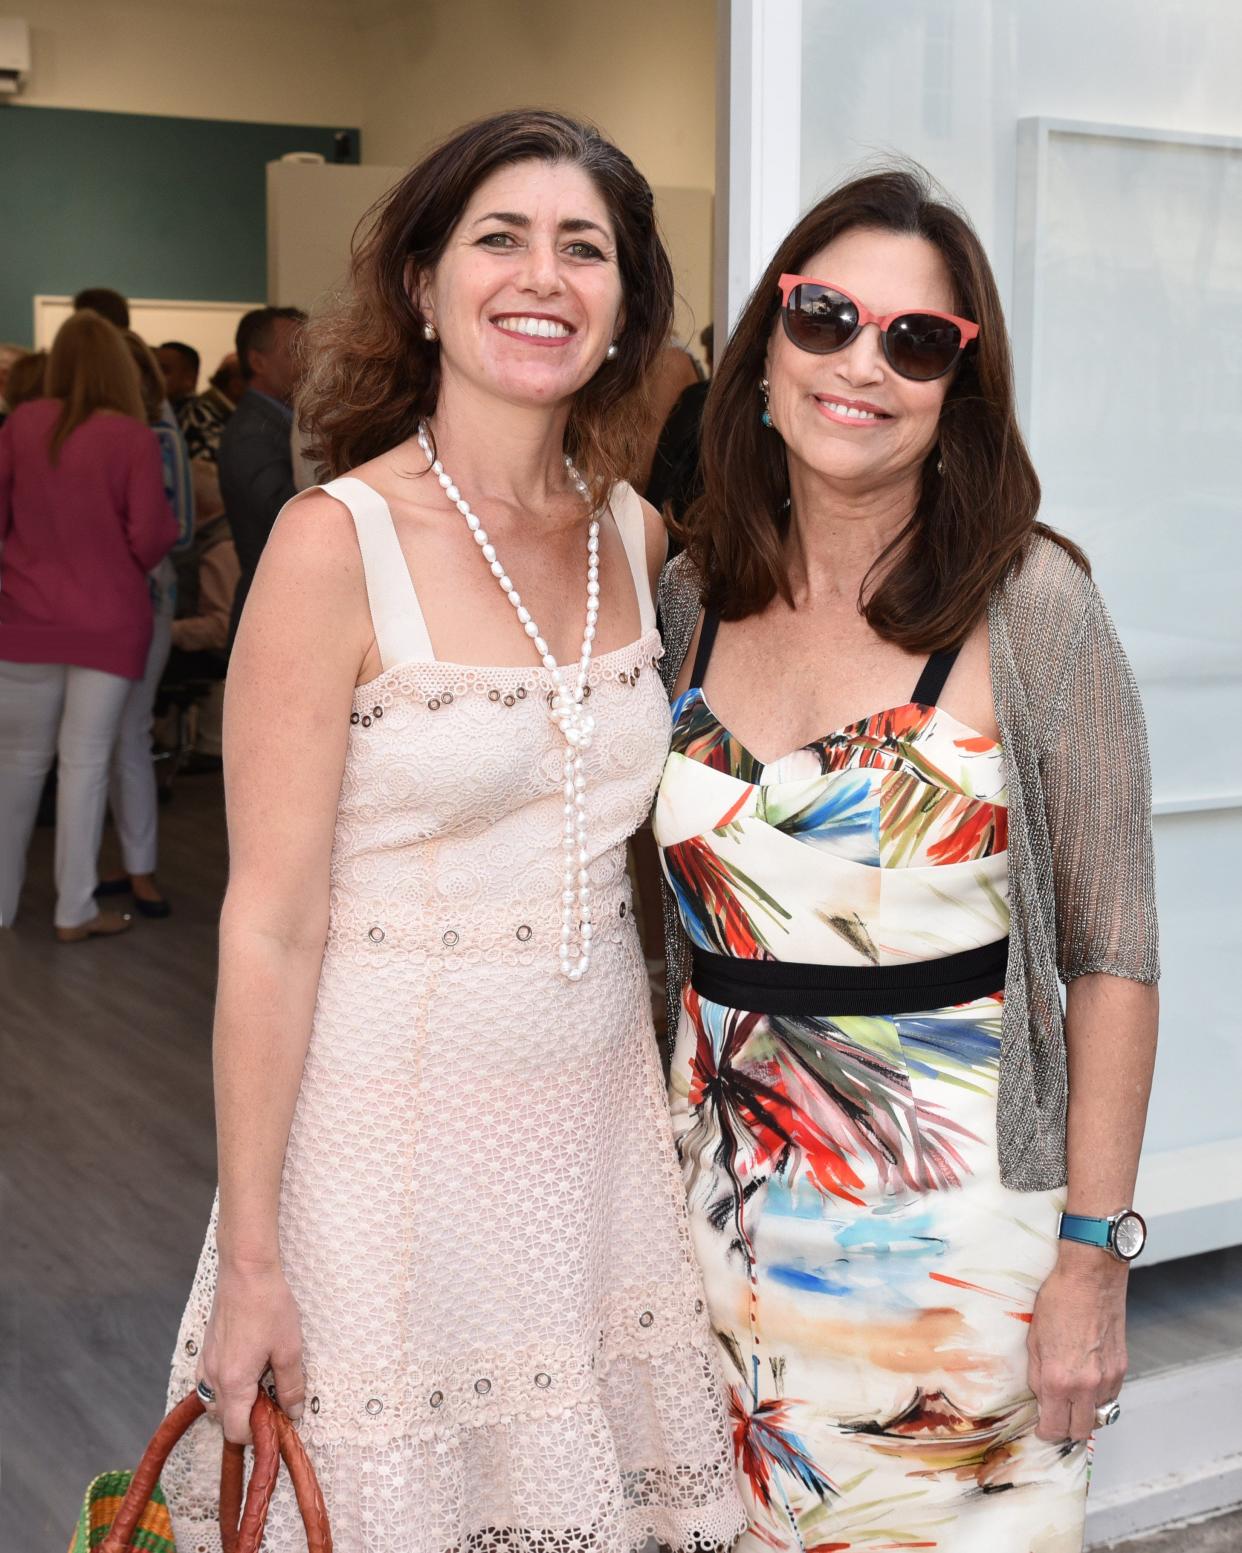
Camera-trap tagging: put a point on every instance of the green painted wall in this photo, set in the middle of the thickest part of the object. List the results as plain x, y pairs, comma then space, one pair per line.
154, 207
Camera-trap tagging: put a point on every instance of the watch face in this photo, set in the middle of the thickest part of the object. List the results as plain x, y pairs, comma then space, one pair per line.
1129, 1235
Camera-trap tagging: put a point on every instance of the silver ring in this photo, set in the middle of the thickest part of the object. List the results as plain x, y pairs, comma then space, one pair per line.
1107, 1413
205, 1393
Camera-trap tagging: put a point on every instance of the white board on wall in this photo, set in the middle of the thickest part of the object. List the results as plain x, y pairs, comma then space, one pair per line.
209, 327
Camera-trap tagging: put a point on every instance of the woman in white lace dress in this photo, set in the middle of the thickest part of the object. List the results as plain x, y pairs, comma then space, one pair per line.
450, 1218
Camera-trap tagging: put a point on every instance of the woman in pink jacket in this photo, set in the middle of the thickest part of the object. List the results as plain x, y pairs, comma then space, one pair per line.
83, 519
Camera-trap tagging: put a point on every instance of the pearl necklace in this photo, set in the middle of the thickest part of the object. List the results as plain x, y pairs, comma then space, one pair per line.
567, 710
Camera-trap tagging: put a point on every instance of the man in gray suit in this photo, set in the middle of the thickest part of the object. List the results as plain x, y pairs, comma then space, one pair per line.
256, 461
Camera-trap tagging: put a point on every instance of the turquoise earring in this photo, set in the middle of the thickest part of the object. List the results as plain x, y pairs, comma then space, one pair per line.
766, 417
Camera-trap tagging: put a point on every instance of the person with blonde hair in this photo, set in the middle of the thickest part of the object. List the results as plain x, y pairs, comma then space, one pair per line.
83, 518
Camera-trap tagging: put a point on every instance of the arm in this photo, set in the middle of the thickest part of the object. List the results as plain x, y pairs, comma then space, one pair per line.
150, 526
1098, 796
290, 684
208, 631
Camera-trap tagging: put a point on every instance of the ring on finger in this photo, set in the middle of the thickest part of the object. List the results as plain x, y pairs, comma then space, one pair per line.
205, 1393
1107, 1413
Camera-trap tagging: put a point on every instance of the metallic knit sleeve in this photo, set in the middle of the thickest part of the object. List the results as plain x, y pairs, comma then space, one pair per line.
1096, 778
679, 604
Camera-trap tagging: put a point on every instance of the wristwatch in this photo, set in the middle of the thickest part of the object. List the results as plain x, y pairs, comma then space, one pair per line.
1123, 1235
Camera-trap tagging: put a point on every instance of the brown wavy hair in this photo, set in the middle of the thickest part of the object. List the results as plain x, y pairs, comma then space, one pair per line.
150, 376
89, 369
932, 583
371, 375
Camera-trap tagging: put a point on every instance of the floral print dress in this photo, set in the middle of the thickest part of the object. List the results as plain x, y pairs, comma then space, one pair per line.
869, 1278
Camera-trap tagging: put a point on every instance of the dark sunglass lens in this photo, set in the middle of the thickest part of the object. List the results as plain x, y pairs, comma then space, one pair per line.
922, 346
818, 319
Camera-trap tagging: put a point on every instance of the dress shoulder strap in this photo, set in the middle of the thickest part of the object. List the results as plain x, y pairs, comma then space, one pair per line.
396, 615
934, 677
627, 514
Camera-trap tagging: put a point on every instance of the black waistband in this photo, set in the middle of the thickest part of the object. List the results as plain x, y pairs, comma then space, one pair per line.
784, 987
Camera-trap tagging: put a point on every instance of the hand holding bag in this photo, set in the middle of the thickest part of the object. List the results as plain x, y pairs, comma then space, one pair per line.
142, 1513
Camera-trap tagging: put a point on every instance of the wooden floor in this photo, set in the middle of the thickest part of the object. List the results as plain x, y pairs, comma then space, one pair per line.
107, 1169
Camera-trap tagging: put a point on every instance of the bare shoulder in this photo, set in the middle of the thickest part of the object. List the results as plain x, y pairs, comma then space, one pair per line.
314, 538
309, 591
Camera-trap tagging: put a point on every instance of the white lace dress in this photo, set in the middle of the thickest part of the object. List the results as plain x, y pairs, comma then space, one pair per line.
481, 1217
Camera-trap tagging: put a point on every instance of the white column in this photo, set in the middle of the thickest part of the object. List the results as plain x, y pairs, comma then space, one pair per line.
758, 143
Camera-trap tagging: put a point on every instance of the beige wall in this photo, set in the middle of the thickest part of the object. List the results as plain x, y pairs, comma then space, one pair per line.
405, 71
275, 61
644, 70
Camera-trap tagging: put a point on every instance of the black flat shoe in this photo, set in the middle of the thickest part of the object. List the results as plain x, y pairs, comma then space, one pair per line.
112, 887
152, 908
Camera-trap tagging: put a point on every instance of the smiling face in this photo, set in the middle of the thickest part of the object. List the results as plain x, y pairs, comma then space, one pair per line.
847, 416
526, 297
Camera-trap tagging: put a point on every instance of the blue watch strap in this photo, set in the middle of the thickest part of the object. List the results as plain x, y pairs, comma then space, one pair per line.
1091, 1232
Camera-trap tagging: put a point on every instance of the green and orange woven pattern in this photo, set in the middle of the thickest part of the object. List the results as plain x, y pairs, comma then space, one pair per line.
153, 1534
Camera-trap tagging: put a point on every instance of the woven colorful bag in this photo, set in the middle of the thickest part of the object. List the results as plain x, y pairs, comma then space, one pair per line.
125, 1512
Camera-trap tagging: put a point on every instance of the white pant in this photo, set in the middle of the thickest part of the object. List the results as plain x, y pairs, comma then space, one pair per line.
47, 710
131, 790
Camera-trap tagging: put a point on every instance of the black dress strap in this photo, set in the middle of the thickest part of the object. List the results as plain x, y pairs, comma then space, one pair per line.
935, 674
707, 640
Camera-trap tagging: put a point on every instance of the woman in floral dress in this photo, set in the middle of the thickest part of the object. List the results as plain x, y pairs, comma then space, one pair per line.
870, 1067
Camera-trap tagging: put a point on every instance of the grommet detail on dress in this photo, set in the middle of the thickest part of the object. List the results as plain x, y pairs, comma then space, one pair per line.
447, 698
493, 695
450, 938
366, 722
375, 1407
521, 692
621, 912
314, 1404
646, 1319
355, 718
509, 700
377, 712
436, 1399
524, 934
543, 1381
698, 1307
191, 1347
482, 1387
586, 690
376, 935
434, 704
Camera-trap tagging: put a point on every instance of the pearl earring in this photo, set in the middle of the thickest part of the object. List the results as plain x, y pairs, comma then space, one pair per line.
940, 465
766, 417
429, 332
613, 351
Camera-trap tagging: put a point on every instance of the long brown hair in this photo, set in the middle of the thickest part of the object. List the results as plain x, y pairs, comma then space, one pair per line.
370, 372
89, 369
972, 521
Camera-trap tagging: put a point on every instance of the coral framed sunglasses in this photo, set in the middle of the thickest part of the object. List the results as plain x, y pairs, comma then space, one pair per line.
820, 317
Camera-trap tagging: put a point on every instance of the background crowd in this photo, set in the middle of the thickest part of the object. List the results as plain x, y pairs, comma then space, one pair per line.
125, 561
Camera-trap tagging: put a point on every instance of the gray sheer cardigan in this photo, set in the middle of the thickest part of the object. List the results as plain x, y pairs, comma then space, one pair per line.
1081, 891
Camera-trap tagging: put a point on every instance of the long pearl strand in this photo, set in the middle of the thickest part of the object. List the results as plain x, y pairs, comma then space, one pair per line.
568, 711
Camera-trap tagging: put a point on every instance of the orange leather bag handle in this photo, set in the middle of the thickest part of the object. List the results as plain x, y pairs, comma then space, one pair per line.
241, 1525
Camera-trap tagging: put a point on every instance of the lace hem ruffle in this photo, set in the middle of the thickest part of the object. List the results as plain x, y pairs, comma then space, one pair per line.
640, 1454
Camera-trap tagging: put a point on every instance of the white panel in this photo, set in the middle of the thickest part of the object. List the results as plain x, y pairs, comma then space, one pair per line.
209, 327
1134, 393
